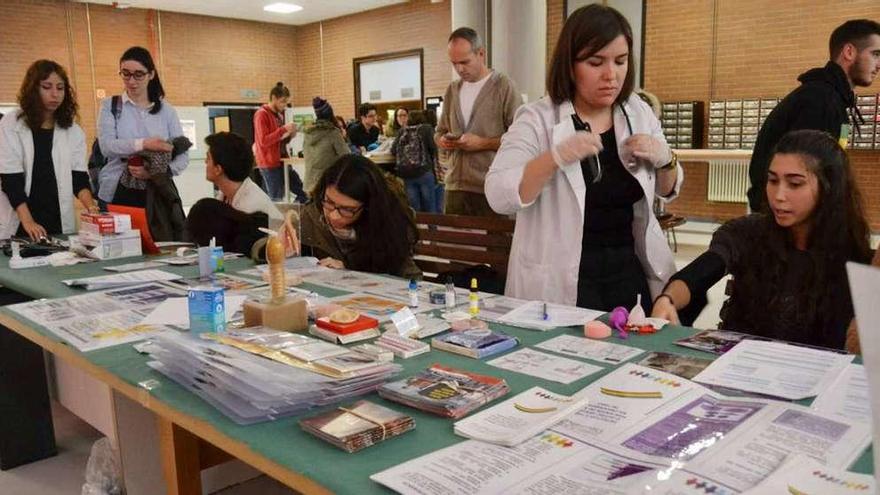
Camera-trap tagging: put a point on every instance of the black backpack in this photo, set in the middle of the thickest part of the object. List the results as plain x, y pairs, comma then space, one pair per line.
410, 153
97, 160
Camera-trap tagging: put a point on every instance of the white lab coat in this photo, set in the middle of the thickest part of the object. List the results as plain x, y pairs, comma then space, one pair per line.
546, 252
17, 156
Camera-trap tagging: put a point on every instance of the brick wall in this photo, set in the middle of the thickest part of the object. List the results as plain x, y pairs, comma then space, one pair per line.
205, 58
415, 24
555, 19
757, 49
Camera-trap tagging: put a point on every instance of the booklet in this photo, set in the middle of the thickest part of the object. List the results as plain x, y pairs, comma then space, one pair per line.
358, 426
475, 343
519, 418
445, 391
683, 366
803, 475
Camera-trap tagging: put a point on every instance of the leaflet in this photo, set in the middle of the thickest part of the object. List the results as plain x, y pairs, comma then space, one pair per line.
595, 350
175, 311
547, 366
848, 397
775, 369
533, 315
101, 319
121, 279
801, 474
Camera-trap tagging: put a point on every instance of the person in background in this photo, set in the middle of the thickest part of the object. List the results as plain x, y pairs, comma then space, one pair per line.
824, 100
364, 134
439, 165
356, 222
145, 122
415, 155
241, 207
340, 123
271, 135
401, 117
322, 144
788, 262
479, 109
580, 168
42, 157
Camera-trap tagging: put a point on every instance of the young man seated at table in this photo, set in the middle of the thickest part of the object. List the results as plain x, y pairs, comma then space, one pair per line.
241, 207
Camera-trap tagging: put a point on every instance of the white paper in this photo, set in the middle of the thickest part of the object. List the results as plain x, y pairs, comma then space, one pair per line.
518, 418
864, 283
546, 366
801, 474
595, 350
775, 369
130, 267
99, 319
405, 322
121, 279
606, 417
848, 397
531, 315
175, 311
473, 467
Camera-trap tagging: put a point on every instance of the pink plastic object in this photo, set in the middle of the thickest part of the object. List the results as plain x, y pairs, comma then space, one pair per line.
597, 330
619, 317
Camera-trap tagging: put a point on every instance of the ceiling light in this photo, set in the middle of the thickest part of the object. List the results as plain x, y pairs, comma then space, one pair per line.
282, 8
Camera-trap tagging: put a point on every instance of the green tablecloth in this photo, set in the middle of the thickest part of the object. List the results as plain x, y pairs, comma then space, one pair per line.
282, 441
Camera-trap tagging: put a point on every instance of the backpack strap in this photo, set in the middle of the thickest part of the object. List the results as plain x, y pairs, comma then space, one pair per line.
115, 109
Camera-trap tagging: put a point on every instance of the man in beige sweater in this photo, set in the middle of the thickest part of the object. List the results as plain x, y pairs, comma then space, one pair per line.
477, 110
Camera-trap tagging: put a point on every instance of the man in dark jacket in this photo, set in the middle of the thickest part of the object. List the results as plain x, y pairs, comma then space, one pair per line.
824, 100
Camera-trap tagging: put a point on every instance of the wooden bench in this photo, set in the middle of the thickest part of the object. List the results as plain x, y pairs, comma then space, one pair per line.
452, 243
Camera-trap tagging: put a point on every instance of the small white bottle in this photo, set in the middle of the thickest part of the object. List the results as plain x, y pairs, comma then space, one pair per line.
450, 294
413, 293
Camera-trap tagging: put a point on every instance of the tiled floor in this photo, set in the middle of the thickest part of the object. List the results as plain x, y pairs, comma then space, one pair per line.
64, 474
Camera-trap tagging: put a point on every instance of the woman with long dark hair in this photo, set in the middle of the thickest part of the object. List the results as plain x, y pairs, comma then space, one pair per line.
357, 222
42, 157
139, 121
581, 168
788, 261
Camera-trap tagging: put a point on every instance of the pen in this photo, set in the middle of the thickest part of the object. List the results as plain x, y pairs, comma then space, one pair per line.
546, 316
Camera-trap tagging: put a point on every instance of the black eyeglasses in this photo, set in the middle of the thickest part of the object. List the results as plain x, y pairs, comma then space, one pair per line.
138, 75
344, 211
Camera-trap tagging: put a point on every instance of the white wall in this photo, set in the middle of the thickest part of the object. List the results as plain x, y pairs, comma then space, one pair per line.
519, 43
390, 77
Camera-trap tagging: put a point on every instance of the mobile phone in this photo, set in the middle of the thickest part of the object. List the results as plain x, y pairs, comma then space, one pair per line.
452, 137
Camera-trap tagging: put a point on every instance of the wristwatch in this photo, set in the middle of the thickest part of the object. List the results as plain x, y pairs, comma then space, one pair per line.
672, 163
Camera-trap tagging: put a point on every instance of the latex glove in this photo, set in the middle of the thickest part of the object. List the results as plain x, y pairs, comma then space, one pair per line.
646, 148
575, 148
663, 308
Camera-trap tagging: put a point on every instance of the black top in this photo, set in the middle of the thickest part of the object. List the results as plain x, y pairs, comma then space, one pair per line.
608, 215
359, 136
776, 302
820, 102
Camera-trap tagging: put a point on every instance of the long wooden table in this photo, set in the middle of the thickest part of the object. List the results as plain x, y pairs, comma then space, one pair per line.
194, 434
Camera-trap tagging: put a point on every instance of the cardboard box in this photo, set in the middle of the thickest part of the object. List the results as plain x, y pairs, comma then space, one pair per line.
109, 246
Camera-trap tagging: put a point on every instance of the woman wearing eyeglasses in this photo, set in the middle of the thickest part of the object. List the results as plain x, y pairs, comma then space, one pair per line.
357, 222
580, 169
142, 121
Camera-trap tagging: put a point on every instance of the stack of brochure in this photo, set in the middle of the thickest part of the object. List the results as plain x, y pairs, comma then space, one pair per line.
120, 279
474, 343
519, 418
249, 388
445, 391
359, 426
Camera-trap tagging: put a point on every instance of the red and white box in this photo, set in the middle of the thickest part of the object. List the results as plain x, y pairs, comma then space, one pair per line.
104, 223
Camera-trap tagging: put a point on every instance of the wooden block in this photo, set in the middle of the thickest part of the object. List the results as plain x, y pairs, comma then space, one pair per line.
290, 315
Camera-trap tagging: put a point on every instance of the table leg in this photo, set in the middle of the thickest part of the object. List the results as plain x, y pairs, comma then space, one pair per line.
180, 459
26, 430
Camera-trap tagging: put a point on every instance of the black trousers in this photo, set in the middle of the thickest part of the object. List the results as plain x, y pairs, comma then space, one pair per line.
611, 276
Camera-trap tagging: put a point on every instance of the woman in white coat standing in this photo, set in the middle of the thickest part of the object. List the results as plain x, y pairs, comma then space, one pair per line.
42, 157
580, 168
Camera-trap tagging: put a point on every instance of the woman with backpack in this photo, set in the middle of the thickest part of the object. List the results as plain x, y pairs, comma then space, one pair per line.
416, 152
42, 157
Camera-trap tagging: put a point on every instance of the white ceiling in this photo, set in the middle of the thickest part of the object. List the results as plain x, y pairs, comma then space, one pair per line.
313, 10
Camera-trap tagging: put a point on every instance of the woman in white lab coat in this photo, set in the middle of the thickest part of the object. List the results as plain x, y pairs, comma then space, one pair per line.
580, 168
42, 157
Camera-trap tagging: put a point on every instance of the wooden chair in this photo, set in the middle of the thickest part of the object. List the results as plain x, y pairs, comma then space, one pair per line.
454, 243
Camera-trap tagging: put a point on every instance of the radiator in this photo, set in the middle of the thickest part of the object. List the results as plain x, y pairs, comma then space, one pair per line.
728, 181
